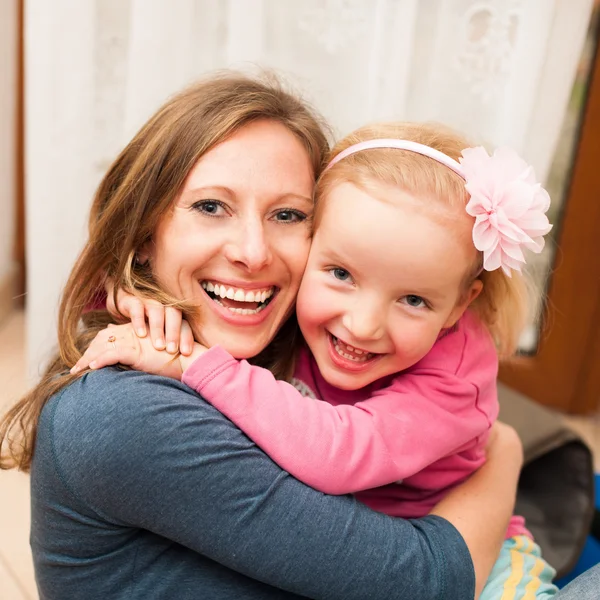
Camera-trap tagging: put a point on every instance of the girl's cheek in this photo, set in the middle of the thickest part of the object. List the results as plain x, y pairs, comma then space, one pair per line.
315, 306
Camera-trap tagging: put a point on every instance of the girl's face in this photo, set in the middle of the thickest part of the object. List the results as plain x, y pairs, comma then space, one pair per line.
237, 239
384, 277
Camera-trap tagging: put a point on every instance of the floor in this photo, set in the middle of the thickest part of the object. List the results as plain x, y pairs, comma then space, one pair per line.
16, 571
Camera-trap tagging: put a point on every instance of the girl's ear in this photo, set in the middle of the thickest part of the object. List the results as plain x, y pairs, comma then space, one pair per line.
474, 290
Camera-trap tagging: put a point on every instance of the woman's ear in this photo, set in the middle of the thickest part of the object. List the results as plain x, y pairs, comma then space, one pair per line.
465, 300
142, 256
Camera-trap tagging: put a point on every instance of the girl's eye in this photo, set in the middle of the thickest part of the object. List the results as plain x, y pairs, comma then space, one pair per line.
290, 216
212, 208
341, 274
414, 301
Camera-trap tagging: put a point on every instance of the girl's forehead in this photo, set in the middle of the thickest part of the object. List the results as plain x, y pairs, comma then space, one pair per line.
380, 237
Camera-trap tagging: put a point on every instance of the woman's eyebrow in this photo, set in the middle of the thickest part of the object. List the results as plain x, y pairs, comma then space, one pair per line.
300, 197
210, 188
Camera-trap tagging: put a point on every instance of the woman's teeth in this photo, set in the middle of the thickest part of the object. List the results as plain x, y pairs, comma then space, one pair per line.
260, 298
237, 294
349, 352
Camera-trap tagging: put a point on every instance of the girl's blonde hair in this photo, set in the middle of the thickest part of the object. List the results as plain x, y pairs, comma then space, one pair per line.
136, 193
503, 303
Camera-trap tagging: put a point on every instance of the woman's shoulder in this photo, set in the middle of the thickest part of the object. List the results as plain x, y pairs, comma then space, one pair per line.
112, 394
112, 426
110, 413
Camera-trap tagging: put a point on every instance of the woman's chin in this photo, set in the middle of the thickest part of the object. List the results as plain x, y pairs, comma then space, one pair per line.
242, 350
239, 346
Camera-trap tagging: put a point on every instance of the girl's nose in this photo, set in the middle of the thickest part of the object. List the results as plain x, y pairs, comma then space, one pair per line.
364, 321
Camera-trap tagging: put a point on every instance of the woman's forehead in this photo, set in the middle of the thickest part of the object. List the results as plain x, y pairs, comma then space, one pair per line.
261, 155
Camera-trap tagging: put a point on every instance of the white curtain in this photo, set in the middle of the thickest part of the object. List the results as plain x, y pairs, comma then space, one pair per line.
500, 70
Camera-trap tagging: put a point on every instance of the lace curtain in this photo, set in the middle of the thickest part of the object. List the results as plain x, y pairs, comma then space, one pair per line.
500, 70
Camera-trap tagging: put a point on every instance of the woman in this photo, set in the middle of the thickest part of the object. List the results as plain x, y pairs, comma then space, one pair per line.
142, 490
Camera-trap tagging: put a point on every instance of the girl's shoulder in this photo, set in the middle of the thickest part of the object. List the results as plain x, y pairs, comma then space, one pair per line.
465, 347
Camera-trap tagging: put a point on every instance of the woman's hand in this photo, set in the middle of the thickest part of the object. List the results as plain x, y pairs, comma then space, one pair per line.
119, 344
167, 329
481, 507
504, 441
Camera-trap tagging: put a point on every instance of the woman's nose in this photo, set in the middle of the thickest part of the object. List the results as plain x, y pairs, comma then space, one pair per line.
249, 247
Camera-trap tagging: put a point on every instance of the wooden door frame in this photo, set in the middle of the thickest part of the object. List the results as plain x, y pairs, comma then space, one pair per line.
565, 372
19, 245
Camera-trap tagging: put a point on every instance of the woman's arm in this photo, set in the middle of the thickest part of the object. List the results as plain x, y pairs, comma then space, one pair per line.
165, 461
482, 506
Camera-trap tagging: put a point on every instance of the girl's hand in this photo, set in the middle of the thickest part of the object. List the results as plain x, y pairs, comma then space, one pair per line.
167, 330
119, 344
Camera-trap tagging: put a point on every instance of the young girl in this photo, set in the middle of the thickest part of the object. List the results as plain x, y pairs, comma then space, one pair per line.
408, 299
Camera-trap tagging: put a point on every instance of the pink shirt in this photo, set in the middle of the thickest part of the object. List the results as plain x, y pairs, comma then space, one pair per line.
399, 444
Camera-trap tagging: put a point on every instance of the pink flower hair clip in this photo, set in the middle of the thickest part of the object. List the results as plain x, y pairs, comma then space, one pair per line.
509, 206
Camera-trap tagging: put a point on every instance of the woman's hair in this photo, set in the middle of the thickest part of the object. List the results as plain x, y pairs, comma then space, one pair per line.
136, 193
503, 303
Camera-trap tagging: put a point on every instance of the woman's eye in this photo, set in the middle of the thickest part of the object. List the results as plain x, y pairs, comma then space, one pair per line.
414, 301
290, 216
213, 208
341, 274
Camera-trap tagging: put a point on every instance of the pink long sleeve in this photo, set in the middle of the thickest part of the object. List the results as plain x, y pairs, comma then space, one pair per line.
401, 429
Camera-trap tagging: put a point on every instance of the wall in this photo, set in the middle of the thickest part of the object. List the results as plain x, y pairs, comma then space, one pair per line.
8, 79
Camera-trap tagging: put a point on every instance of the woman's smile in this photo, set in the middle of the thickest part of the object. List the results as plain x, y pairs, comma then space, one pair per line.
242, 300
237, 241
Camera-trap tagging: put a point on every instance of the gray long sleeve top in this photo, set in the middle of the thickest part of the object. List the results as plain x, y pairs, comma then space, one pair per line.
142, 490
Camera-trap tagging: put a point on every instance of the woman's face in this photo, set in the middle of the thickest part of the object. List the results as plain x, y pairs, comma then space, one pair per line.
237, 240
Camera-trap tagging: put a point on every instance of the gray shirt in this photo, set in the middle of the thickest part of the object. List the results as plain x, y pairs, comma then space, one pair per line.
142, 490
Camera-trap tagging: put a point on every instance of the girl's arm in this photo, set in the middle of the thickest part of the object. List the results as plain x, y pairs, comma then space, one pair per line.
344, 448
335, 449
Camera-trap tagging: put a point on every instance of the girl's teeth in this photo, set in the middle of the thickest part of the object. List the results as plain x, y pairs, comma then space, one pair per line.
358, 356
239, 296
248, 298
210, 287
230, 293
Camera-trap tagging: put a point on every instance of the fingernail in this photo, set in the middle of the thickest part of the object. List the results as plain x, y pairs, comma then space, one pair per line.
93, 364
172, 348
74, 370
185, 349
141, 332
159, 343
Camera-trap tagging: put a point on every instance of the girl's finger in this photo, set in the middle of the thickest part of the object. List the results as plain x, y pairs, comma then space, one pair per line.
172, 328
100, 344
186, 339
156, 321
137, 316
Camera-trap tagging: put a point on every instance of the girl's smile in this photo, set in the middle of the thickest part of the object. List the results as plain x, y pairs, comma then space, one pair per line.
384, 277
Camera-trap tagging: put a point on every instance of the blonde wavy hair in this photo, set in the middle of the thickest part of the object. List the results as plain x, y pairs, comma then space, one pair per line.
138, 190
503, 304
